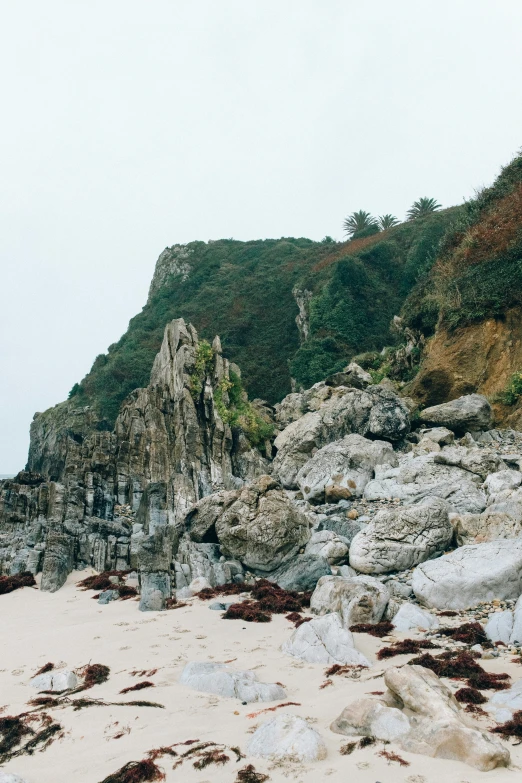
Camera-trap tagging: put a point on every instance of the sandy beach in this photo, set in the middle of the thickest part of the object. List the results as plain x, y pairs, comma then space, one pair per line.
70, 629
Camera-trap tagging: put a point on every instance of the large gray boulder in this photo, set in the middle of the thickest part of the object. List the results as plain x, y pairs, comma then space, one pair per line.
324, 640
397, 539
345, 527
262, 528
359, 599
301, 573
55, 681
154, 559
329, 545
223, 681
58, 560
421, 715
499, 627
287, 738
420, 476
375, 413
504, 704
471, 575
343, 468
488, 526
410, 616
469, 413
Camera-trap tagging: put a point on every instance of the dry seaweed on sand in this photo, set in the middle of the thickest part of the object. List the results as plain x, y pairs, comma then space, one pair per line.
273, 709
47, 667
138, 687
470, 696
511, 728
469, 633
297, 619
374, 629
18, 735
248, 611
101, 581
136, 772
347, 749
462, 665
366, 742
210, 757
82, 703
143, 673
9, 584
266, 599
325, 684
339, 669
93, 674
405, 647
249, 775
447, 613
390, 757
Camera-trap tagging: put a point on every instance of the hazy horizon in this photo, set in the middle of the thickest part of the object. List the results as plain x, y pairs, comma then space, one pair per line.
134, 126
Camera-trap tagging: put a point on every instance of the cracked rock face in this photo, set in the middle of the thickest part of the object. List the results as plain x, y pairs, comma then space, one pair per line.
421, 715
262, 528
468, 413
471, 575
375, 412
324, 640
224, 681
401, 538
359, 599
344, 466
287, 737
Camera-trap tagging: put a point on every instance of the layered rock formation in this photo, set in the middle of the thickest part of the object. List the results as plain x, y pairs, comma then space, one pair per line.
90, 496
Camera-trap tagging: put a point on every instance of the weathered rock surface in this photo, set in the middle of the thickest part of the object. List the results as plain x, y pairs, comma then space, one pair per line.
343, 468
500, 626
223, 681
503, 704
360, 599
328, 545
398, 539
262, 528
8, 777
468, 413
420, 476
324, 640
488, 526
422, 716
56, 681
471, 575
287, 737
301, 573
86, 485
375, 413
412, 616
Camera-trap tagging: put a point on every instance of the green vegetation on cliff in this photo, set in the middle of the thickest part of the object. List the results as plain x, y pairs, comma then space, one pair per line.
243, 292
478, 273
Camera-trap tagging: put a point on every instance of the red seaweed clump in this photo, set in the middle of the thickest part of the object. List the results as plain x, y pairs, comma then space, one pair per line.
10, 583
249, 775
138, 687
297, 619
248, 611
47, 667
511, 728
375, 629
470, 696
93, 674
406, 647
136, 772
462, 665
469, 633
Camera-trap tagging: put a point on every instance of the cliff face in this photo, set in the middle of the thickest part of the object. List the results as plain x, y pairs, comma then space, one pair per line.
84, 485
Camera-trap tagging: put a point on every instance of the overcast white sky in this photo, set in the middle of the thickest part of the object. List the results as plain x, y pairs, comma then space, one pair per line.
129, 125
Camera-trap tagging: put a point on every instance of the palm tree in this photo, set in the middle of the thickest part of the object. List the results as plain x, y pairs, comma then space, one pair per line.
358, 221
422, 207
387, 221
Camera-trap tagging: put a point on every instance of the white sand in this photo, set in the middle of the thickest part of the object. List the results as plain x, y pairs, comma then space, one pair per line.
71, 629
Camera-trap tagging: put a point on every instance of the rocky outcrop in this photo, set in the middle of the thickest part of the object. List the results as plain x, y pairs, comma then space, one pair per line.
86, 487
396, 540
324, 640
471, 575
287, 738
375, 413
421, 715
360, 599
341, 470
467, 413
262, 528
224, 681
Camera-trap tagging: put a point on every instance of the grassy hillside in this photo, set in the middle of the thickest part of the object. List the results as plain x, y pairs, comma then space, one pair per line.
478, 273
243, 292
